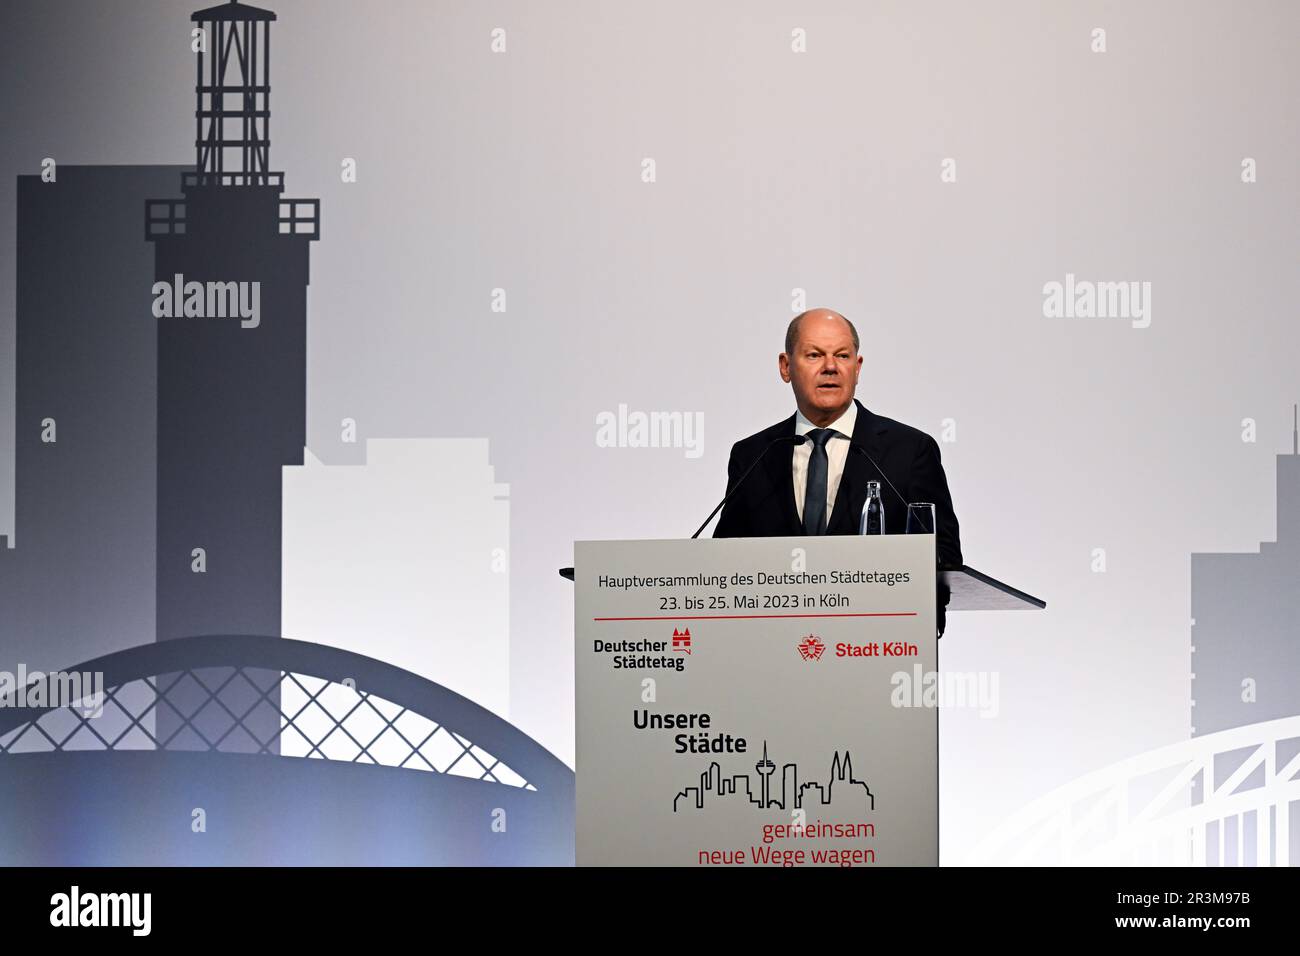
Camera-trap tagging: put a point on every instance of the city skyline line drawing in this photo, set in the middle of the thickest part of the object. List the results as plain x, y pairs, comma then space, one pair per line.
712, 780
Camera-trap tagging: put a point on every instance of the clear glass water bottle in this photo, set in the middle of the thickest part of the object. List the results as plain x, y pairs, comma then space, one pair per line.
873, 511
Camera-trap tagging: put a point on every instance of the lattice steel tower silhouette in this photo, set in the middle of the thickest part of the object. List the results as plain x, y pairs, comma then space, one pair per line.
233, 84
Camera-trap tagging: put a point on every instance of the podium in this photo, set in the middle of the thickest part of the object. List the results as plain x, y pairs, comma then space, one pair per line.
750, 702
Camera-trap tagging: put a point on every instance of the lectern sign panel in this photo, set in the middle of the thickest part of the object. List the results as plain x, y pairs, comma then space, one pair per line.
756, 702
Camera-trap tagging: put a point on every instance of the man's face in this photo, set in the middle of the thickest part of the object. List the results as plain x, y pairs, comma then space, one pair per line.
823, 368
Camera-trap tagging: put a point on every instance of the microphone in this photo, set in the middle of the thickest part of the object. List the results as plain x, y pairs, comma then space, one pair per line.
864, 453
783, 440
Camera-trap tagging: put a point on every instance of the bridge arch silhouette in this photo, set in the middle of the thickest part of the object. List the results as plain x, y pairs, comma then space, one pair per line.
372, 765
1142, 810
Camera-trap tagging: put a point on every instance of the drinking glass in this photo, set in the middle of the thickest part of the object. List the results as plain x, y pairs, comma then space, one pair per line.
920, 517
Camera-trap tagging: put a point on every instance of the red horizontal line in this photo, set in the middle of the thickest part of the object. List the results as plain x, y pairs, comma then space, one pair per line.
750, 617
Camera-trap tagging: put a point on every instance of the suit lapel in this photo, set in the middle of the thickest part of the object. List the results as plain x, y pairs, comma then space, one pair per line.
852, 493
780, 468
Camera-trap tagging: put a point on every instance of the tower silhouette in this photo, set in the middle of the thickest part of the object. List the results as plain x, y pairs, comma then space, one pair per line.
231, 393
765, 767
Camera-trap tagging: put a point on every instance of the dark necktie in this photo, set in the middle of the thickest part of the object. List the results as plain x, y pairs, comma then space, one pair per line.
814, 498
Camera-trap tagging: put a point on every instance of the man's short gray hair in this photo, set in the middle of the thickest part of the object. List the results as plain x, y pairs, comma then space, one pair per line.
792, 331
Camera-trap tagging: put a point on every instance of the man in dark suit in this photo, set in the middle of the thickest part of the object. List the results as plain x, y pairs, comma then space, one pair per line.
819, 487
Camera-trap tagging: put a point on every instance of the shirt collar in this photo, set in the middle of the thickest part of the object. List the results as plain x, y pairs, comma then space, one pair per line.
842, 425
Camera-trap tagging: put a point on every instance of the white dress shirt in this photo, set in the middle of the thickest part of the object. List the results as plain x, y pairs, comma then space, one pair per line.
837, 452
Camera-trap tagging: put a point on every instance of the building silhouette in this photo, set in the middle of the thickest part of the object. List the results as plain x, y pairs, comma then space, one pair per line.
371, 555
77, 578
1245, 657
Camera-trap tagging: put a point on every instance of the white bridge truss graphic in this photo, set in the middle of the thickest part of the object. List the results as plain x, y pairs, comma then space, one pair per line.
1140, 811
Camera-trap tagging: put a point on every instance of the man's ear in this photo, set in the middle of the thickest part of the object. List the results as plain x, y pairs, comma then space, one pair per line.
783, 363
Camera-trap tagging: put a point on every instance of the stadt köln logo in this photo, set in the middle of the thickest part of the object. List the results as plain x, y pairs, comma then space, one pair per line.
682, 640
811, 648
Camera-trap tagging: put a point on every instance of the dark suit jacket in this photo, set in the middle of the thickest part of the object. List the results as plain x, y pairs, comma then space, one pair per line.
765, 507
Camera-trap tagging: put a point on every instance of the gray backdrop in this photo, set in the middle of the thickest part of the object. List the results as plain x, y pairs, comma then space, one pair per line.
779, 171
